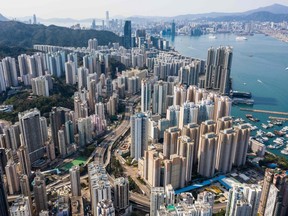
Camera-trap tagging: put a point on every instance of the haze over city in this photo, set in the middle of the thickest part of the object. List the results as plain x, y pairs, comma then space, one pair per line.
90, 8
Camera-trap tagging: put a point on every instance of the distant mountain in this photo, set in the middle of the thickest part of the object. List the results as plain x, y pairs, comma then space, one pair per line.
2, 18
14, 33
261, 16
275, 9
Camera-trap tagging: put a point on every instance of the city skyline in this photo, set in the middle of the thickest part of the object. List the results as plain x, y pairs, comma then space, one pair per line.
125, 8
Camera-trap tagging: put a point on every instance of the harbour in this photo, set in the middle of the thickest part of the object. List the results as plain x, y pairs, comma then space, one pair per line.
264, 111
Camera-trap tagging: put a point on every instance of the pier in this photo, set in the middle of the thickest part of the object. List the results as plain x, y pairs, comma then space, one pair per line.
264, 111
278, 118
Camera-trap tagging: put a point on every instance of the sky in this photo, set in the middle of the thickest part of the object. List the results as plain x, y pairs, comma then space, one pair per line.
80, 9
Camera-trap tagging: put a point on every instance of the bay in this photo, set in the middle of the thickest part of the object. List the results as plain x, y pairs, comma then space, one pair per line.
258, 66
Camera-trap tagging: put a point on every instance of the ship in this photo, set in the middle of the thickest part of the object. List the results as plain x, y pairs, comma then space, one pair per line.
242, 101
241, 38
212, 37
241, 94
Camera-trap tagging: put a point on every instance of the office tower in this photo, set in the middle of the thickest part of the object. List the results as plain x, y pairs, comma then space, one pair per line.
12, 177
157, 198
146, 93
170, 195
4, 207
159, 104
238, 204
121, 193
10, 72
107, 20
152, 168
105, 207
139, 139
242, 137
58, 116
175, 171
75, 181
170, 141
173, 29
32, 134
188, 114
224, 123
225, 150
274, 193
24, 160
185, 148
70, 73
40, 195
207, 154
207, 127
127, 34
21, 206
192, 131
222, 106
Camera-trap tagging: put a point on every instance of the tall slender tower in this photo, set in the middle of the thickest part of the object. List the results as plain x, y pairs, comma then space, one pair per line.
3, 197
127, 34
139, 133
146, 91
207, 154
40, 194
121, 193
274, 198
75, 181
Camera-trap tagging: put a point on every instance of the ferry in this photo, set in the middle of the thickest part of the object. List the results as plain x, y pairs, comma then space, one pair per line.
241, 38
212, 37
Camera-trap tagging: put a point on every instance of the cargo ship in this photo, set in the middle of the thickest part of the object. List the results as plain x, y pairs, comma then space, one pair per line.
239, 97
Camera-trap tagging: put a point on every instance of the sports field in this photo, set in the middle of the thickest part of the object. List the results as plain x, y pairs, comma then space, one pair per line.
77, 161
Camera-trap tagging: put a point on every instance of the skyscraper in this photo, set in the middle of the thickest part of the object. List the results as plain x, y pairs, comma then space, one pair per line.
40, 194
238, 204
146, 93
107, 20
139, 137
157, 197
274, 198
207, 154
127, 35
4, 207
170, 141
121, 193
32, 134
12, 177
218, 69
226, 150
75, 181
173, 29
242, 137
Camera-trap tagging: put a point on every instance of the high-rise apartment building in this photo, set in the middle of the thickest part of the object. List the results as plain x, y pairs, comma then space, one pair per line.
170, 141
242, 137
4, 207
274, 198
75, 181
139, 137
121, 193
207, 154
146, 93
225, 150
157, 198
32, 133
40, 194
192, 130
